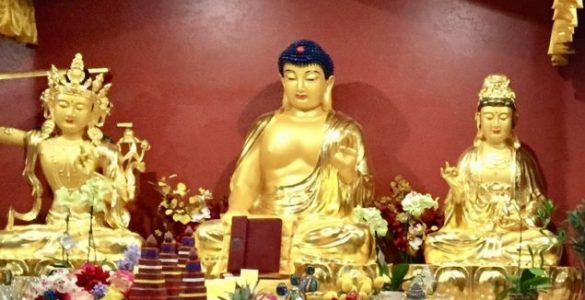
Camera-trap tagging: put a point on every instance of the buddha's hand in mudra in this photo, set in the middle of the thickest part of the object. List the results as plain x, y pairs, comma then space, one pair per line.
87, 159
343, 156
453, 179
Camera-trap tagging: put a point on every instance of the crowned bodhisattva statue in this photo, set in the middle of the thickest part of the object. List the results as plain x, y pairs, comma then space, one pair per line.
496, 191
91, 179
304, 162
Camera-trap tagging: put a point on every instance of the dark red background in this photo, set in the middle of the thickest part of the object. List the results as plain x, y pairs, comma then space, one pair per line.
193, 75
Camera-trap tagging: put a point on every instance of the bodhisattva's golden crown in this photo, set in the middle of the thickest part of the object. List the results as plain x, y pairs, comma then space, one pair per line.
76, 81
497, 86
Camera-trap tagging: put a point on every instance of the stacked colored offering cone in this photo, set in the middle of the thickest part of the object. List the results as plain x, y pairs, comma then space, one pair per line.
187, 243
149, 282
170, 269
193, 279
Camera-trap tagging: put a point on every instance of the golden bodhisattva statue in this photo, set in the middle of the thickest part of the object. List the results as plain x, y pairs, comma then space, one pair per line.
88, 175
306, 164
495, 193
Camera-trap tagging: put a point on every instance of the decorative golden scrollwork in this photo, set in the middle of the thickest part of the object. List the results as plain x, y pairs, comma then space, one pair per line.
565, 22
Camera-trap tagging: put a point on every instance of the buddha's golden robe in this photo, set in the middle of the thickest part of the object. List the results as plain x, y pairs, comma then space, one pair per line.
483, 227
110, 218
317, 211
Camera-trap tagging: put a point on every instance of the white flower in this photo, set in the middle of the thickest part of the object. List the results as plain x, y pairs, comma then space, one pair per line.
205, 213
373, 218
417, 230
415, 243
205, 194
93, 192
60, 280
63, 194
358, 213
415, 203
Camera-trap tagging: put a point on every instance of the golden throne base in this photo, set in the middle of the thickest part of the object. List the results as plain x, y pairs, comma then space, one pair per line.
480, 282
485, 282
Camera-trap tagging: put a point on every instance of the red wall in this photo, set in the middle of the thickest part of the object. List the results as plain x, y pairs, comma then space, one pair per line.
193, 75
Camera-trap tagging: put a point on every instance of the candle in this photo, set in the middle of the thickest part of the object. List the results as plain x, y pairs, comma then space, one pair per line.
216, 288
230, 283
249, 276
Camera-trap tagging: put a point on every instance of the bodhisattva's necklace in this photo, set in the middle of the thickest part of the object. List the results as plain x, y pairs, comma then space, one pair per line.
496, 161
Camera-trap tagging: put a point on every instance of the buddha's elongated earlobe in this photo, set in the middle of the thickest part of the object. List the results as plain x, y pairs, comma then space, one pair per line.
285, 102
328, 97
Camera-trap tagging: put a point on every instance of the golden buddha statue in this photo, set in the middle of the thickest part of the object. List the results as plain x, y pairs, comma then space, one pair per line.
304, 163
90, 178
495, 193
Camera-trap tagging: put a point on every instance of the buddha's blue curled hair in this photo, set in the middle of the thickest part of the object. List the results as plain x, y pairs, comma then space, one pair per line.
303, 53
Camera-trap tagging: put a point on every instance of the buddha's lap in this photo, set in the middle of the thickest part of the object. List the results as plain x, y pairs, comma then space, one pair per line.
312, 231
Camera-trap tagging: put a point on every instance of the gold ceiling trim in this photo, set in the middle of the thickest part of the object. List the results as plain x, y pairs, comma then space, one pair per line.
17, 20
564, 24
43, 73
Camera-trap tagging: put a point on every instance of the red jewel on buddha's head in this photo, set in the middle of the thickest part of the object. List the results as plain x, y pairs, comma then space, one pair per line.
300, 49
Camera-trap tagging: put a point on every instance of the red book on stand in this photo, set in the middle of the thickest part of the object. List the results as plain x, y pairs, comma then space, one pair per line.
255, 244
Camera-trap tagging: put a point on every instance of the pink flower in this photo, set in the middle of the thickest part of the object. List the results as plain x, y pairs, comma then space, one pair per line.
122, 280
81, 294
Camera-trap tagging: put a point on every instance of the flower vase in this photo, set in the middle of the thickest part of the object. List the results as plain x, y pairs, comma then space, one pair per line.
514, 296
390, 295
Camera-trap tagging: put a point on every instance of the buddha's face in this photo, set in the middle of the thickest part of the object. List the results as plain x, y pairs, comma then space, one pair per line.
72, 113
496, 124
305, 86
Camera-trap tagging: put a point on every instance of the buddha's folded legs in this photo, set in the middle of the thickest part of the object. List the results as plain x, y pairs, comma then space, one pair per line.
332, 240
315, 241
451, 247
543, 244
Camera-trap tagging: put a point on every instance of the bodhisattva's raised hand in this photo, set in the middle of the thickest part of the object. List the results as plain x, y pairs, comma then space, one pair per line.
86, 162
453, 179
343, 156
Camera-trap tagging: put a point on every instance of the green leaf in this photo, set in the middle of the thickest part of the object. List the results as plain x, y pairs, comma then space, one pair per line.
526, 274
536, 284
399, 271
561, 236
383, 269
537, 272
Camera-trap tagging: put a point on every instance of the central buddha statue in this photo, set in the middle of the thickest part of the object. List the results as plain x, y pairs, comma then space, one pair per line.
496, 190
91, 178
304, 163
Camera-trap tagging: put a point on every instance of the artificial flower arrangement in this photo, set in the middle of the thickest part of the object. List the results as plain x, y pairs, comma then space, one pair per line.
400, 221
88, 282
178, 207
410, 216
91, 193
